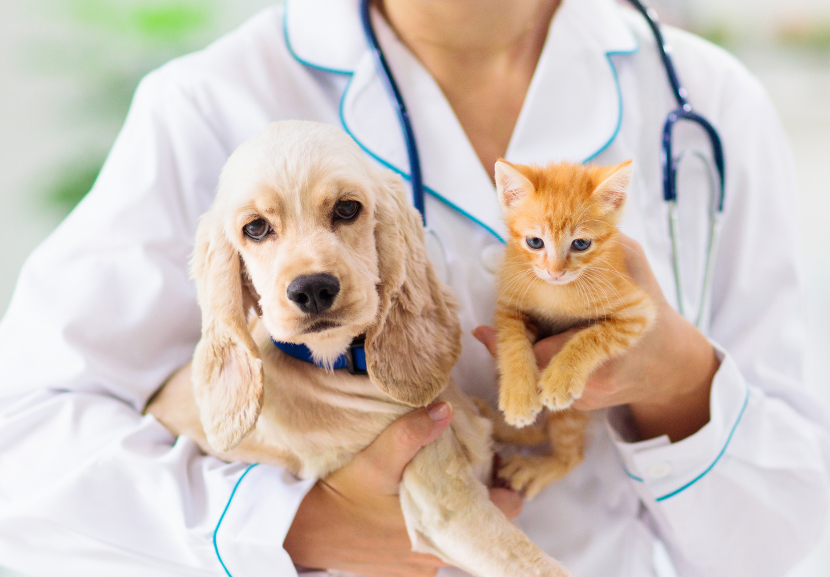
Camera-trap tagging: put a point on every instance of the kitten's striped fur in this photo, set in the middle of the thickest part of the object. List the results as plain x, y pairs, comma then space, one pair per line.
548, 289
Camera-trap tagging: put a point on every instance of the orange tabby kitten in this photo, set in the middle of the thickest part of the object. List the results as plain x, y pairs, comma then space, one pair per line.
563, 268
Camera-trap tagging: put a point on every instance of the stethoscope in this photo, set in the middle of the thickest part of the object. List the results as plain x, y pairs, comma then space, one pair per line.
670, 163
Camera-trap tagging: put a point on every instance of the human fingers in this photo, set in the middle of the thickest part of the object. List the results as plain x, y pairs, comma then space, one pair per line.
638, 267
379, 467
337, 527
601, 393
544, 350
486, 336
510, 502
547, 348
402, 569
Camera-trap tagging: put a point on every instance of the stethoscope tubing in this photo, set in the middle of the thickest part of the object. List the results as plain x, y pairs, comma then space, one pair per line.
669, 163
388, 79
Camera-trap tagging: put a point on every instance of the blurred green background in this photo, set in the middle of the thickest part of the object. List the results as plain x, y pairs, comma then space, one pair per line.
116, 44
68, 69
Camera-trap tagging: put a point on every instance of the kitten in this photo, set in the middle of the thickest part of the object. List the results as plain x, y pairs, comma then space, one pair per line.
563, 268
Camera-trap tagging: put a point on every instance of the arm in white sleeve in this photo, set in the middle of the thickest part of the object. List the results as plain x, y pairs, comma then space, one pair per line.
748, 493
102, 314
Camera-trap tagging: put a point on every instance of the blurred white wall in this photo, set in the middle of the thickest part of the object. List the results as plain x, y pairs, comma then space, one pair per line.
760, 17
800, 87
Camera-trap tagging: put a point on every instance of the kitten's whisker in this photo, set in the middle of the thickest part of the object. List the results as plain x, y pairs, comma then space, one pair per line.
594, 289
513, 288
587, 208
626, 247
586, 295
610, 268
527, 288
598, 273
598, 278
517, 278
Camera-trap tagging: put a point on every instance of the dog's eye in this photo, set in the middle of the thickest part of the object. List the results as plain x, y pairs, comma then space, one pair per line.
346, 210
257, 230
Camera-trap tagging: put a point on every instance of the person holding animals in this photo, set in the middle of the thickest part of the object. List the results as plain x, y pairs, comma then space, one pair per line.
701, 438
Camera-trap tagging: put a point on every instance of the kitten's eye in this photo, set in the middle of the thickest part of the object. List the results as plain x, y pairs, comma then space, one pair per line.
581, 244
534, 243
346, 210
257, 229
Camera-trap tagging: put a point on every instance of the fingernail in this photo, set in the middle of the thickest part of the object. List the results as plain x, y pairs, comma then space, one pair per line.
439, 411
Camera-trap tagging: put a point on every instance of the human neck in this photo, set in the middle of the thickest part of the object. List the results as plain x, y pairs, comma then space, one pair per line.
468, 27
482, 53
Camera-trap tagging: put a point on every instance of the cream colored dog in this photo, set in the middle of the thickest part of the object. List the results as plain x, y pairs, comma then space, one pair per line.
324, 247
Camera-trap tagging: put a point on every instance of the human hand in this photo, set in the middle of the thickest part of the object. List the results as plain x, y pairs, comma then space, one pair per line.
664, 379
352, 519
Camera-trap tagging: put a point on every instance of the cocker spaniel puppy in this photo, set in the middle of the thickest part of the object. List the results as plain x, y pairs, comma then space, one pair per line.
308, 243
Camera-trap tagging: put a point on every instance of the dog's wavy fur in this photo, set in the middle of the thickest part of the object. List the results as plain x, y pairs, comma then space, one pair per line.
251, 402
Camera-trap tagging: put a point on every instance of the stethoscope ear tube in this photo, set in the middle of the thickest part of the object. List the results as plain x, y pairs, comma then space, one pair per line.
651, 18
669, 168
416, 177
669, 163
715, 208
716, 200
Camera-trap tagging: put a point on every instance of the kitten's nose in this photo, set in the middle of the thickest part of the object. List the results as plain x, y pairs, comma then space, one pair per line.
556, 275
313, 293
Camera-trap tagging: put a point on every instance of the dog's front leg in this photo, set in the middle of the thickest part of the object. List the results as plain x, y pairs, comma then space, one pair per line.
448, 512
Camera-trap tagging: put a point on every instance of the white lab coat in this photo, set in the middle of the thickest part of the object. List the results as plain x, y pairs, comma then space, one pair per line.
104, 310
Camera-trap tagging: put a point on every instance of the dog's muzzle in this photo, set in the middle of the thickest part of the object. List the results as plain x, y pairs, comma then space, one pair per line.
313, 293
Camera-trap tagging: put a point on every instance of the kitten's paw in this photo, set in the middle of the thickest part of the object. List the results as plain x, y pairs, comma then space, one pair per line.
560, 389
520, 405
529, 475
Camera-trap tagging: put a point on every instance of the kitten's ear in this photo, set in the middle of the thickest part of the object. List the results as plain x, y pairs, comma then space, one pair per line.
511, 185
612, 191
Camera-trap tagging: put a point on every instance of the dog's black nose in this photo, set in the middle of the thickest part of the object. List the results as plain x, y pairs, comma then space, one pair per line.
314, 293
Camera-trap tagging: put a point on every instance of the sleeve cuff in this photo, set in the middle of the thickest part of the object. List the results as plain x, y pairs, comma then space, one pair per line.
260, 509
665, 469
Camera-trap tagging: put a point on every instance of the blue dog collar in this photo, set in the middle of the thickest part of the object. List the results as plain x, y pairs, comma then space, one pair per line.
354, 359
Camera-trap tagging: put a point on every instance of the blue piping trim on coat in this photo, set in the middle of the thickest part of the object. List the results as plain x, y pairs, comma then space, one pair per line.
710, 467
608, 56
632, 475
408, 177
215, 531
294, 54
364, 148
722, 451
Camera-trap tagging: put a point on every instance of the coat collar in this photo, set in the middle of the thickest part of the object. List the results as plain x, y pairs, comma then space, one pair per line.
573, 109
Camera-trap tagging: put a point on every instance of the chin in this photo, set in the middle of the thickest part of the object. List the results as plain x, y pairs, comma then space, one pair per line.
568, 278
326, 348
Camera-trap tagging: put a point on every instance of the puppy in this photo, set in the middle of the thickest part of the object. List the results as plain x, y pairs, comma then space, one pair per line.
323, 247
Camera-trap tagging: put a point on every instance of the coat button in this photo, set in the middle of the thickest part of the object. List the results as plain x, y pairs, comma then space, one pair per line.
659, 470
491, 257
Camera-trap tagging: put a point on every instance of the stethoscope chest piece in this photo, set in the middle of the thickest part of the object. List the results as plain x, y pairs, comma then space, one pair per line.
437, 256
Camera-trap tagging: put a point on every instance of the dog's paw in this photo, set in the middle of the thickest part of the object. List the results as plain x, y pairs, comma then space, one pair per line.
560, 388
520, 404
529, 475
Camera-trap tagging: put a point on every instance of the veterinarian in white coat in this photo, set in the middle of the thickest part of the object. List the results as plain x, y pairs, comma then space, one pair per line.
104, 311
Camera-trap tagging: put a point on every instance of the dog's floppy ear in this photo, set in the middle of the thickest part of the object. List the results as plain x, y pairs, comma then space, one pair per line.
227, 368
416, 340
